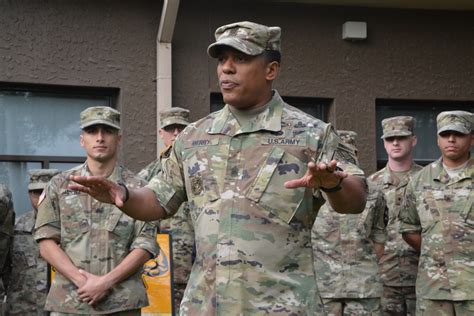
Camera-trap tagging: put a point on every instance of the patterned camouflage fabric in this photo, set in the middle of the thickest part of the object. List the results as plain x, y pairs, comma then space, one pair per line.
460, 121
29, 282
440, 208
175, 115
29, 279
181, 228
100, 115
348, 137
344, 255
398, 126
7, 221
253, 242
248, 37
399, 263
97, 237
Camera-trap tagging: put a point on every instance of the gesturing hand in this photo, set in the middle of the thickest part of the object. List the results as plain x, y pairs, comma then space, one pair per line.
100, 189
318, 175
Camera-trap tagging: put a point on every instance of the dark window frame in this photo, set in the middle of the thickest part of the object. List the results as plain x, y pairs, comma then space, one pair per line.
60, 91
402, 105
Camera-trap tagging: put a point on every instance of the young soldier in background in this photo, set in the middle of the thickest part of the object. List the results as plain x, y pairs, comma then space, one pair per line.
399, 262
437, 219
180, 226
28, 286
97, 251
345, 257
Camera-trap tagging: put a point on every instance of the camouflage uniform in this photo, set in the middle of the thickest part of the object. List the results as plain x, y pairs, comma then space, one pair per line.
181, 228
440, 208
96, 236
29, 282
399, 263
344, 257
253, 242
7, 221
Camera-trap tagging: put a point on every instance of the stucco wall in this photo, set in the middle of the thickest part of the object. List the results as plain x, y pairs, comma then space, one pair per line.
409, 54
89, 43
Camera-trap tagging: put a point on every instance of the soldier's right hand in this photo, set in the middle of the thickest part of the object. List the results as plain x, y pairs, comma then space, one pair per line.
100, 189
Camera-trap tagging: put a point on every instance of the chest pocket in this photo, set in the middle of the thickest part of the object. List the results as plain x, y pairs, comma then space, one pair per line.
75, 219
120, 224
201, 183
435, 200
268, 189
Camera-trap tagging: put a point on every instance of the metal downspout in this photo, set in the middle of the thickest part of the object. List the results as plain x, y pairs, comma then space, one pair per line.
164, 73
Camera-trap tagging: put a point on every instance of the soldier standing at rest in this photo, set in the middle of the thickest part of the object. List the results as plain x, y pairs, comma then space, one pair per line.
399, 263
437, 219
98, 251
28, 287
345, 258
252, 174
180, 226
7, 222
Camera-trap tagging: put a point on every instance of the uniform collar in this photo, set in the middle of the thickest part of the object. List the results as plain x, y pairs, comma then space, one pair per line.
268, 120
390, 178
114, 176
440, 174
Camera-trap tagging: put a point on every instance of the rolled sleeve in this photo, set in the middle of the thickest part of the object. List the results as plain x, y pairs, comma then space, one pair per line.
145, 238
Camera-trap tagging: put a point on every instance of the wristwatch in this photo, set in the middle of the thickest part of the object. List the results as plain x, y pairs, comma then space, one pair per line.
127, 194
333, 189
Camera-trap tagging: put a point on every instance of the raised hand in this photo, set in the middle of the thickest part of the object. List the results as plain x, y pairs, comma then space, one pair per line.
319, 175
100, 189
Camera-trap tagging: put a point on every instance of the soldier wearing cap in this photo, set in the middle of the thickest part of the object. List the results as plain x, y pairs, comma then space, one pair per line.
180, 226
97, 251
399, 262
29, 278
345, 250
253, 175
7, 222
437, 219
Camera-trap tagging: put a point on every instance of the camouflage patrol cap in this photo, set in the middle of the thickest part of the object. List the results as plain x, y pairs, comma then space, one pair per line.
176, 115
348, 137
248, 37
100, 115
459, 121
39, 178
398, 126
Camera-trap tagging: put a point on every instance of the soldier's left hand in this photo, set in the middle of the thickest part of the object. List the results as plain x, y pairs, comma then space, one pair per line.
94, 290
319, 175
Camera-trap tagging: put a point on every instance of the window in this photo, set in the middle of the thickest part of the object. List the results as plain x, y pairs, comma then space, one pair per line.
316, 107
425, 113
40, 129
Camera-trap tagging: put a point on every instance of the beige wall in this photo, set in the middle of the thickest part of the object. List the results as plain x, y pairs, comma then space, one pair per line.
427, 55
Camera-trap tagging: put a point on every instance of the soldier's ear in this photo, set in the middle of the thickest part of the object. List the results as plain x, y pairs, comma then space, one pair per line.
81, 140
273, 69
